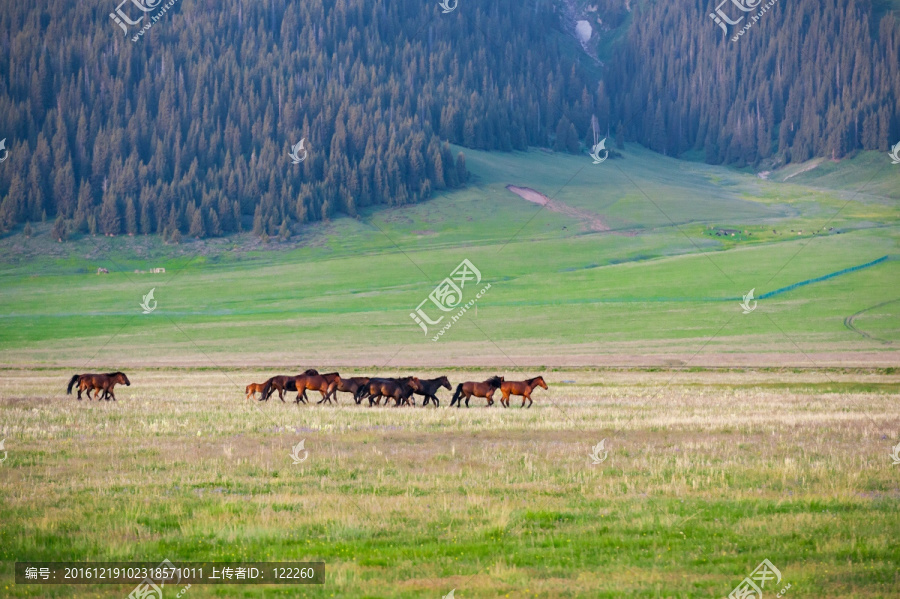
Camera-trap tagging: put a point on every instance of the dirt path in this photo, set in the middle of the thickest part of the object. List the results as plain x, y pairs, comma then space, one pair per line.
848, 322
591, 221
805, 169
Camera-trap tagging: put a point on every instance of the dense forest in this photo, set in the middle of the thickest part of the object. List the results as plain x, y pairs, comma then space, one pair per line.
186, 131
811, 78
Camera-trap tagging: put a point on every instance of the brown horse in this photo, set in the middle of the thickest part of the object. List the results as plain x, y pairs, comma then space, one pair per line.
523, 388
97, 383
281, 383
254, 388
278, 383
400, 390
316, 382
470, 388
347, 385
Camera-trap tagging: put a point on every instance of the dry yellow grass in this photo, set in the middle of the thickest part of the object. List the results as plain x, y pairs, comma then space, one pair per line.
707, 474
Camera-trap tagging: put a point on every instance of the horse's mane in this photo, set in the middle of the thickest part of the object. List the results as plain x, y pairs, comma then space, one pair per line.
494, 381
311, 372
116, 373
529, 381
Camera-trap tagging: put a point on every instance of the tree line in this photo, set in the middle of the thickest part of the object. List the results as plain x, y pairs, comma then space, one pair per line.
810, 78
186, 132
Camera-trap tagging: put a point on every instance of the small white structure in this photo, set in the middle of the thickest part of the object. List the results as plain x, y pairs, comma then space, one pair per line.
157, 271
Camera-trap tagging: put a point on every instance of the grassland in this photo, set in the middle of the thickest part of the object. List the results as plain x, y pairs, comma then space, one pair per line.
732, 437
708, 473
659, 287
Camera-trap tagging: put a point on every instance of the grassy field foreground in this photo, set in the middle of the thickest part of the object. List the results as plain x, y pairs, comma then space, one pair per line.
707, 474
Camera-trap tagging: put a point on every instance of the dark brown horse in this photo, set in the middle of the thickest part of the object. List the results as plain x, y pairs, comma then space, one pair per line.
523, 388
430, 388
349, 385
278, 383
400, 390
97, 383
470, 388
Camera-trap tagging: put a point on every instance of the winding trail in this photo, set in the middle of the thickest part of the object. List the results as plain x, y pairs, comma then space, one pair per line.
848, 322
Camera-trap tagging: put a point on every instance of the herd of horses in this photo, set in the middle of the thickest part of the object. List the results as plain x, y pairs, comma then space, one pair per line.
374, 389
401, 390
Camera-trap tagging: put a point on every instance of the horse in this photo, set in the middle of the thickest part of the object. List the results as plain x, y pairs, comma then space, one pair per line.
372, 389
315, 382
400, 390
470, 388
281, 383
276, 383
430, 388
348, 385
523, 388
97, 383
254, 388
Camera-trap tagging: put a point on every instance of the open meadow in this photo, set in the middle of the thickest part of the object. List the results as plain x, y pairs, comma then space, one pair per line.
734, 429
702, 476
658, 288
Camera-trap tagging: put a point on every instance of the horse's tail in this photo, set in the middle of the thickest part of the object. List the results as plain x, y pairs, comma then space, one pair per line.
457, 395
265, 391
360, 391
72, 382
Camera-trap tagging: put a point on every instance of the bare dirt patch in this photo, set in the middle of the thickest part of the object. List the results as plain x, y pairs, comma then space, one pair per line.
590, 220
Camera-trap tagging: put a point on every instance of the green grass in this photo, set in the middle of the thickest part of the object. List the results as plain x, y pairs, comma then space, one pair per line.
714, 465
660, 282
707, 475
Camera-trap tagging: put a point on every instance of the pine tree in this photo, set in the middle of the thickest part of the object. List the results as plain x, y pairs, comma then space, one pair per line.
198, 228
131, 223
258, 224
110, 222
59, 231
462, 174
